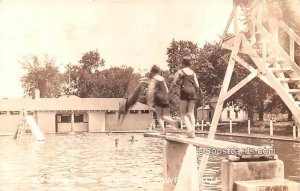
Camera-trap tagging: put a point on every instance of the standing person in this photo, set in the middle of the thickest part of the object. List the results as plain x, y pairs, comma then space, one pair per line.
158, 95
188, 94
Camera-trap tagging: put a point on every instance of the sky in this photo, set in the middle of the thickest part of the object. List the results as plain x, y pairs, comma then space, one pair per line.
135, 33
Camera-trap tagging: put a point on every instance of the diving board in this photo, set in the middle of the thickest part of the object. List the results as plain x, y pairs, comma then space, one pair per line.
240, 150
181, 171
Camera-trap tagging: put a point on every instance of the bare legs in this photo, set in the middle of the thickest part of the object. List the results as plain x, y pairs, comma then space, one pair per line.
163, 114
187, 113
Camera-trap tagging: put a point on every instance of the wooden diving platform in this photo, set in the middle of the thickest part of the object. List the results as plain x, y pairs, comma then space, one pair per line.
237, 151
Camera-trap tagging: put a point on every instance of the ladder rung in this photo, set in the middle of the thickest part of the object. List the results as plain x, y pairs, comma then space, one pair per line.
286, 80
294, 91
281, 70
261, 52
275, 60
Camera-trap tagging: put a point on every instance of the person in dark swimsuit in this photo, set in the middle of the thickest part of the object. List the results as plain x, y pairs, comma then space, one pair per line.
158, 96
188, 95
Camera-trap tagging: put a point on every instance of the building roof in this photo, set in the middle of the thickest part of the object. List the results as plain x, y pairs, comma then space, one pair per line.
66, 103
206, 107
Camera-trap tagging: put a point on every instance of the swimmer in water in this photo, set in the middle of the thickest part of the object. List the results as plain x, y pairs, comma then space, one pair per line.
132, 139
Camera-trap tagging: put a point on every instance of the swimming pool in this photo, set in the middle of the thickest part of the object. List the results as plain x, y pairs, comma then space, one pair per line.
94, 162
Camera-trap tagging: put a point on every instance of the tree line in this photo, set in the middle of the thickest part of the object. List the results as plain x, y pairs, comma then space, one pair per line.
89, 78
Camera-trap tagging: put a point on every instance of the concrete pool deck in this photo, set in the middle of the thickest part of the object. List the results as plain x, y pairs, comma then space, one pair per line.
245, 135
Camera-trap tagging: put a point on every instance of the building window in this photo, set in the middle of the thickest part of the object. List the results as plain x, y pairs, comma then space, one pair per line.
14, 112
145, 111
3, 112
78, 118
134, 111
228, 114
236, 114
65, 118
110, 112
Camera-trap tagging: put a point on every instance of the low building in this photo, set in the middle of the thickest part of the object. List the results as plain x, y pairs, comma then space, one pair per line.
71, 113
230, 112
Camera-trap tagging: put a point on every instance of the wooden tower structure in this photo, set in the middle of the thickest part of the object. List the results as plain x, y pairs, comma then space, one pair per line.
272, 64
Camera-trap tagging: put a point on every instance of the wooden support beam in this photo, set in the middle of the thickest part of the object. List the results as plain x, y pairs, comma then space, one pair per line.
251, 69
288, 80
227, 25
235, 18
292, 49
219, 106
280, 70
290, 32
241, 84
254, 56
180, 167
279, 49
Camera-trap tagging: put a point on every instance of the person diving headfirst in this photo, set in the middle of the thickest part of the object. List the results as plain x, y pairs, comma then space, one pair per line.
129, 101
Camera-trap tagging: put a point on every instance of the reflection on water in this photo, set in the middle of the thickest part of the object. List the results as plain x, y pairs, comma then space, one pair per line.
94, 162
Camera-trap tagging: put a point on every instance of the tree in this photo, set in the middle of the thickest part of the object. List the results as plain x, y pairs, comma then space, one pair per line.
115, 82
84, 75
88, 79
178, 50
42, 75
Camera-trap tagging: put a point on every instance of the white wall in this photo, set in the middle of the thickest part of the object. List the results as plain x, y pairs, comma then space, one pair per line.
46, 121
242, 115
132, 122
9, 124
96, 122
63, 127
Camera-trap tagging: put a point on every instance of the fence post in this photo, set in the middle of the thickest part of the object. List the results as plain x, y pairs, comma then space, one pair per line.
271, 127
181, 124
294, 132
230, 126
249, 130
180, 167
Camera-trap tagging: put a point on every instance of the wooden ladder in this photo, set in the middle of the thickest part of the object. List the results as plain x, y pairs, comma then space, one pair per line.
21, 130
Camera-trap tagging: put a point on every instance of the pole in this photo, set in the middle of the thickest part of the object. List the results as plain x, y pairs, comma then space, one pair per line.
202, 124
271, 127
249, 130
230, 125
294, 132
69, 77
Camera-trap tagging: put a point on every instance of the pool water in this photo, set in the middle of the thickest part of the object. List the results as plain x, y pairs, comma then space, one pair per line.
87, 162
